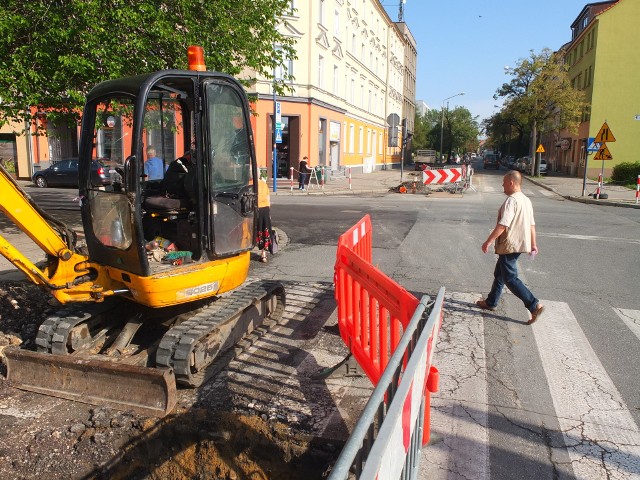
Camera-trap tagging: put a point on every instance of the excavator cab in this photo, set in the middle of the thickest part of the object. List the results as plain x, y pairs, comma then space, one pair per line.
202, 211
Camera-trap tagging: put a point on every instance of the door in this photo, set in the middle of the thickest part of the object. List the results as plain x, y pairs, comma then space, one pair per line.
230, 157
335, 156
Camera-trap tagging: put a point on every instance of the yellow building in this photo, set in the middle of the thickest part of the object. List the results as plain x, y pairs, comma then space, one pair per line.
350, 75
604, 62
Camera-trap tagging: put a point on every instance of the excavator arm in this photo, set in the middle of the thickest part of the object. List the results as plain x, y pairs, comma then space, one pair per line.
67, 274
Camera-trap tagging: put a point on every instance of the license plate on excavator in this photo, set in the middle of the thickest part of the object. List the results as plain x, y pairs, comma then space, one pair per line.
144, 390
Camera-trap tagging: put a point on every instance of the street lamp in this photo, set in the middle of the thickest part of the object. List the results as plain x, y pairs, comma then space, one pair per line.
442, 117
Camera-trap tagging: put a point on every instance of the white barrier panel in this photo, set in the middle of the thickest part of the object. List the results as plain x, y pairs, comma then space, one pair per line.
387, 456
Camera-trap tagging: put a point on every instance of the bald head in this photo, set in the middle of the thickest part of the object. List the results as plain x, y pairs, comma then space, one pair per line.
511, 182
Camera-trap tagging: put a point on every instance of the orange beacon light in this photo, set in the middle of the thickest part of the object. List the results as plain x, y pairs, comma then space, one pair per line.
195, 55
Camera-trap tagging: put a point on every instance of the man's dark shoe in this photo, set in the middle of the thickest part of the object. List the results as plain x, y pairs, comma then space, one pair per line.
485, 306
536, 313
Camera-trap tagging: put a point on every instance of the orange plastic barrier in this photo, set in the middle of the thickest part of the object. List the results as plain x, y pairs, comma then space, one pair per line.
358, 238
373, 310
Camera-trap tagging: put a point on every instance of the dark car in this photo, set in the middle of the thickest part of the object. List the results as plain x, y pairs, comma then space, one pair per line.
64, 173
491, 161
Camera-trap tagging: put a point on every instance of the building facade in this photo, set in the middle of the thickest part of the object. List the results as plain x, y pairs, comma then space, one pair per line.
603, 62
355, 68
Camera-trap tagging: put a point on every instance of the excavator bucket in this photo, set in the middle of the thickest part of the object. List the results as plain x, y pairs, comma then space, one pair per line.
144, 390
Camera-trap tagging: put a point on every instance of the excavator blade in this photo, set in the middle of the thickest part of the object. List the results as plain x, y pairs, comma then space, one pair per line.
144, 390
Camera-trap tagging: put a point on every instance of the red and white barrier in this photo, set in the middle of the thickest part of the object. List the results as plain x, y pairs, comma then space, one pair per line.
447, 175
349, 178
638, 190
598, 191
291, 179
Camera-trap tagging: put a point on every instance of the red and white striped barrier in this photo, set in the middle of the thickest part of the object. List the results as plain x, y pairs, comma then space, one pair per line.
638, 190
291, 179
321, 178
598, 191
349, 178
447, 175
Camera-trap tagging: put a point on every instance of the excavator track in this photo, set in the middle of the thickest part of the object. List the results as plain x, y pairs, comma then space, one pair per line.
192, 346
68, 363
55, 334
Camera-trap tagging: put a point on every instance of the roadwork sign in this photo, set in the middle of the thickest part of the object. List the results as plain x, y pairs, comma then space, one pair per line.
605, 134
540, 149
447, 175
603, 153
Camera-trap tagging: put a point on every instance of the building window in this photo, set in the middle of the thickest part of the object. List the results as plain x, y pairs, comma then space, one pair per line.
368, 141
291, 8
284, 71
320, 71
352, 134
344, 140
353, 92
353, 44
361, 141
335, 80
321, 12
336, 22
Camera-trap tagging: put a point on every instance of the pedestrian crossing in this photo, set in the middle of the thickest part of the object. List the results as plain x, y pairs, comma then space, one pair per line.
529, 192
596, 431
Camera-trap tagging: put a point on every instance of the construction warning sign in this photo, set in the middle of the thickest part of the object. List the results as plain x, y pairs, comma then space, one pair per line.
540, 149
605, 134
603, 153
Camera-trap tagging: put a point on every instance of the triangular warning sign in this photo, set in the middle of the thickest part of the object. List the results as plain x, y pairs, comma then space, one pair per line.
605, 134
603, 153
540, 149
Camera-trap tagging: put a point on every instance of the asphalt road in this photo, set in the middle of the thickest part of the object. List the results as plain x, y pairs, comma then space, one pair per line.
537, 397
559, 399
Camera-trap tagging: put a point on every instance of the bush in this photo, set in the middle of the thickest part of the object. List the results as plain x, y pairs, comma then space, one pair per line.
9, 164
626, 173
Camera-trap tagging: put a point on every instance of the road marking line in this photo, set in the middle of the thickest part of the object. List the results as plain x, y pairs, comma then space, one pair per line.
488, 189
546, 193
459, 419
601, 436
631, 318
588, 237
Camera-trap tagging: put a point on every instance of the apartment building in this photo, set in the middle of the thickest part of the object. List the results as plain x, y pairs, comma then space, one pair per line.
355, 67
603, 62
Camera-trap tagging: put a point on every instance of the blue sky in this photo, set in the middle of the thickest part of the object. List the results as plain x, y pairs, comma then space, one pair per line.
464, 45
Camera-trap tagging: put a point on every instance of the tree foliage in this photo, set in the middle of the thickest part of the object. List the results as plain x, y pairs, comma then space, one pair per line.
53, 51
538, 97
459, 133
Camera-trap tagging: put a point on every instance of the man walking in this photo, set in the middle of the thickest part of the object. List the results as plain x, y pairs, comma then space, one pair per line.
514, 233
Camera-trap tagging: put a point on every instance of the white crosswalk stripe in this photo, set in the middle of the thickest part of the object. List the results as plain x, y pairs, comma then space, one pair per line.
546, 193
597, 426
631, 318
600, 435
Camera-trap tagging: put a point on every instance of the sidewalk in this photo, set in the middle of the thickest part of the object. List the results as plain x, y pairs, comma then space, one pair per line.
571, 189
381, 181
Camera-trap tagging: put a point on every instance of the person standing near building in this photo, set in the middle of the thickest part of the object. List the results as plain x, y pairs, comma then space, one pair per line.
153, 167
263, 229
514, 233
303, 173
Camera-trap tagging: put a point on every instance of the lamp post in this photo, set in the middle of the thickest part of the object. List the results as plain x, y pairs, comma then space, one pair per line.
442, 117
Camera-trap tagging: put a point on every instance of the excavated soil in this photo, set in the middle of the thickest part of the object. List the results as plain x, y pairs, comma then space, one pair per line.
44, 437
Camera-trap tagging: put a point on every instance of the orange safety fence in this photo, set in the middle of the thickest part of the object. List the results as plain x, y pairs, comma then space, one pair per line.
373, 310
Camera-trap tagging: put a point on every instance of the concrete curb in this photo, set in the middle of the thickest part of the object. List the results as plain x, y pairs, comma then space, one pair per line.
591, 201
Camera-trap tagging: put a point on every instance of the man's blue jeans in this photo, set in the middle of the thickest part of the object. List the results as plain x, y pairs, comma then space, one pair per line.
506, 273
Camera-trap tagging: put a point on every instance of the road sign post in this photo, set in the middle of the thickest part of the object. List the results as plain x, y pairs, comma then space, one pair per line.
603, 136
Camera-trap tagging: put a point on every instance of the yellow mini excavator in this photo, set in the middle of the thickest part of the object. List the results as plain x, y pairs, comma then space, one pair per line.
157, 291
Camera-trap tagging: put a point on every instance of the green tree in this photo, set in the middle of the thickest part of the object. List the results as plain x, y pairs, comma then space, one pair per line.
540, 95
53, 51
460, 130
426, 131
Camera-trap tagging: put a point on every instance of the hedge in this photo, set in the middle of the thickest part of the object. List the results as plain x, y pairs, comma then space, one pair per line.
626, 172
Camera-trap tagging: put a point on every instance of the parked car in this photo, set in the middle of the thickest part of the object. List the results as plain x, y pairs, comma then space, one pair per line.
543, 166
64, 173
511, 163
491, 161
